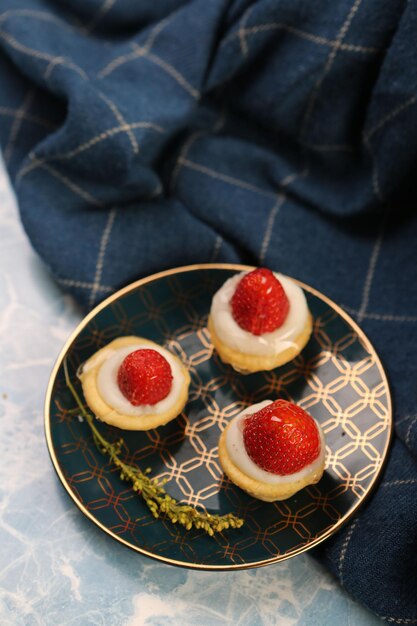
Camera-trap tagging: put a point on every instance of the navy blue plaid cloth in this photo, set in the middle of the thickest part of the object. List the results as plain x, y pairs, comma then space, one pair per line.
145, 135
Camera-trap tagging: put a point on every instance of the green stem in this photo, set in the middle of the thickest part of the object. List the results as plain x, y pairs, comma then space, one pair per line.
152, 491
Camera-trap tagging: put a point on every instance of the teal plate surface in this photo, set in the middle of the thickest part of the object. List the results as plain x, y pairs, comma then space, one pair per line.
338, 378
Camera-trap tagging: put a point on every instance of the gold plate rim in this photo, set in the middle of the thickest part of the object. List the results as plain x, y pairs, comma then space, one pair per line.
179, 270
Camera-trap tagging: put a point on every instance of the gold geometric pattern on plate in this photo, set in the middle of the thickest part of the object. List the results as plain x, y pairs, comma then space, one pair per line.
338, 378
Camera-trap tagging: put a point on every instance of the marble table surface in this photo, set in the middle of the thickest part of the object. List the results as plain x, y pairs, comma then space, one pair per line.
56, 567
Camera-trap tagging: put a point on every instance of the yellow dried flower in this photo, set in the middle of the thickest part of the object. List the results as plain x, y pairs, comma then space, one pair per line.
152, 491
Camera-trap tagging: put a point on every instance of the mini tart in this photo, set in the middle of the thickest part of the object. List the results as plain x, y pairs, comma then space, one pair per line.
152, 416
247, 353
250, 363
262, 490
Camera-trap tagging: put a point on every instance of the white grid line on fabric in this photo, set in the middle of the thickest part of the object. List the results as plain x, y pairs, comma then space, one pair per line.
51, 66
125, 58
101, 255
187, 145
242, 39
37, 161
24, 49
119, 117
216, 249
231, 180
317, 39
71, 185
121, 60
104, 8
141, 52
404, 419
366, 140
156, 192
8, 111
381, 316
375, 176
181, 157
156, 31
37, 54
330, 60
172, 71
399, 620
394, 483
287, 180
67, 282
269, 226
387, 118
345, 548
408, 433
371, 270
106, 135
391, 318
17, 123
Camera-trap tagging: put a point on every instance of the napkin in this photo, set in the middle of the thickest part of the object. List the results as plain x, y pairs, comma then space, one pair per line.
141, 136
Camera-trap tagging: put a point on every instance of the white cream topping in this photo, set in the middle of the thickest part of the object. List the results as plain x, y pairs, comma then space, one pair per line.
237, 451
230, 333
109, 389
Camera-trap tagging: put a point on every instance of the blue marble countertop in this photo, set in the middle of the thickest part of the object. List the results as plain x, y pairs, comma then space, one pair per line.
56, 567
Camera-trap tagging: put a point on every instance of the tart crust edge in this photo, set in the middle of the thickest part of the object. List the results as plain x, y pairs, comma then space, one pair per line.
108, 414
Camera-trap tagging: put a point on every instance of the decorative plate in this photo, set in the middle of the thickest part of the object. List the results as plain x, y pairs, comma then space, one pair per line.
338, 378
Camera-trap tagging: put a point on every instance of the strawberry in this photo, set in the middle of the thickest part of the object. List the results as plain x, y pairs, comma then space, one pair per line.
259, 304
281, 438
144, 377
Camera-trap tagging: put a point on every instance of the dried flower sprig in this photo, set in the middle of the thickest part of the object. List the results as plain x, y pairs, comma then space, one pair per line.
152, 490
